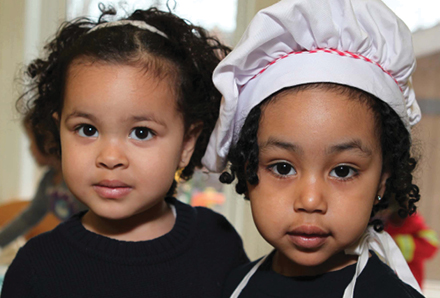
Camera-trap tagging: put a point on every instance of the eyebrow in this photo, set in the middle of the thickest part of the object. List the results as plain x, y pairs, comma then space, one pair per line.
81, 115
150, 118
354, 144
134, 118
274, 142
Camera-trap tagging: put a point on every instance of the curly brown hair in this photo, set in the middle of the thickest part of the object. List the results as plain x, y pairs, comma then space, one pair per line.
395, 143
187, 57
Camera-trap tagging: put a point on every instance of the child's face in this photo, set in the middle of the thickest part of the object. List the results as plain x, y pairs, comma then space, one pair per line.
320, 170
122, 139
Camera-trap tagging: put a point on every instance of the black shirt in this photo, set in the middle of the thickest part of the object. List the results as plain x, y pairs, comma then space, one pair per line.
192, 260
376, 280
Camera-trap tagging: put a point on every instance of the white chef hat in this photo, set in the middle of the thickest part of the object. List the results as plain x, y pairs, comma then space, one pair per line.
358, 43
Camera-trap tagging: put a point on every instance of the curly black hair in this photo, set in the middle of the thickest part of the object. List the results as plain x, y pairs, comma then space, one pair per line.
187, 58
395, 143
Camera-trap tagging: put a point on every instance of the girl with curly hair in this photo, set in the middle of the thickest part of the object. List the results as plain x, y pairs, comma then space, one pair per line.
315, 123
129, 103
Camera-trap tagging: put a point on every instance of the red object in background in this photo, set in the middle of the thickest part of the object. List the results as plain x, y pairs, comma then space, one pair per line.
417, 242
207, 198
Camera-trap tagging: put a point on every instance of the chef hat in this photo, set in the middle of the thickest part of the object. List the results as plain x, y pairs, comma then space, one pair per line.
358, 43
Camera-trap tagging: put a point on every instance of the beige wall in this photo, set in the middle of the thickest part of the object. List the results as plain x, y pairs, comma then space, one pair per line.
24, 26
11, 54
427, 136
426, 82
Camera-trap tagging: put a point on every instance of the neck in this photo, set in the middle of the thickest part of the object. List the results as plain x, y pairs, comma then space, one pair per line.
146, 225
284, 266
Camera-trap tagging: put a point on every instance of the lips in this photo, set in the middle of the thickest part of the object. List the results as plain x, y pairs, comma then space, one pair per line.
112, 189
308, 237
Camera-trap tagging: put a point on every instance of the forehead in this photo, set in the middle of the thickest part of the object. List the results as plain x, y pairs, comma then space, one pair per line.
150, 65
316, 117
117, 89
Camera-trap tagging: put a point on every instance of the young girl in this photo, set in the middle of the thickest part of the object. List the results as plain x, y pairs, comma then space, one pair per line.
52, 194
131, 102
315, 121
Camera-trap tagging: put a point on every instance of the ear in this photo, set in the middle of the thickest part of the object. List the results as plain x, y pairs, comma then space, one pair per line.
189, 143
382, 185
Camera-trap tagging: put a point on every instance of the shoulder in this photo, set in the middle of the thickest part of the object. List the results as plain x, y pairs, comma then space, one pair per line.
212, 219
50, 242
205, 218
209, 225
42, 242
386, 283
236, 276
25, 270
19, 277
48, 246
214, 234
215, 228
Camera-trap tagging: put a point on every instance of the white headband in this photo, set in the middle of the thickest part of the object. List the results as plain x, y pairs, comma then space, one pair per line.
358, 43
135, 23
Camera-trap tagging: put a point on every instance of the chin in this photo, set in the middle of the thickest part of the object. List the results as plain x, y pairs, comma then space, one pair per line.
112, 214
307, 259
310, 262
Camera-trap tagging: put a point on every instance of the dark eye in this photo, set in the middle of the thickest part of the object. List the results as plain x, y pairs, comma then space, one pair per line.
283, 169
87, 131
141, 133
343, 172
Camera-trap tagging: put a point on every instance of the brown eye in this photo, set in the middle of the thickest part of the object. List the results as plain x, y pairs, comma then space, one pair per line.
343, 172
87, 131
141, 133
283, 169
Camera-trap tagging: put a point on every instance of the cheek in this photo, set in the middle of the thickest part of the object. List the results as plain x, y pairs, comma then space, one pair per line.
350, 217
269, 211
155, 167
73, 160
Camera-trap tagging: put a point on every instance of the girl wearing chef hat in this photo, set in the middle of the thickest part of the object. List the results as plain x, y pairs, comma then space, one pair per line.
316, 124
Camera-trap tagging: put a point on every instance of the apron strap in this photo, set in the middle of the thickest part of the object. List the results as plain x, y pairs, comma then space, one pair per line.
248, 276
383, 244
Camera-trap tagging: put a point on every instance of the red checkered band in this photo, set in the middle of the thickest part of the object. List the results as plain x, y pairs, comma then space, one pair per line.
330, 51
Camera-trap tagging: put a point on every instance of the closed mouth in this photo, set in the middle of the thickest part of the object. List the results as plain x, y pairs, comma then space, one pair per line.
111, 184
308, 237
112, 189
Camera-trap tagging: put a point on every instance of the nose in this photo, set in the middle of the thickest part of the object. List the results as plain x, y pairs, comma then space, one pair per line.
111, 156
311, 198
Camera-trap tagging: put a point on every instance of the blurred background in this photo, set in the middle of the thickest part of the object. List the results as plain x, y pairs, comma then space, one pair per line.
25, 25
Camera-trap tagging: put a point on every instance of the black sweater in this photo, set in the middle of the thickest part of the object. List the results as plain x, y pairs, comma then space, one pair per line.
192, 260
377, 280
